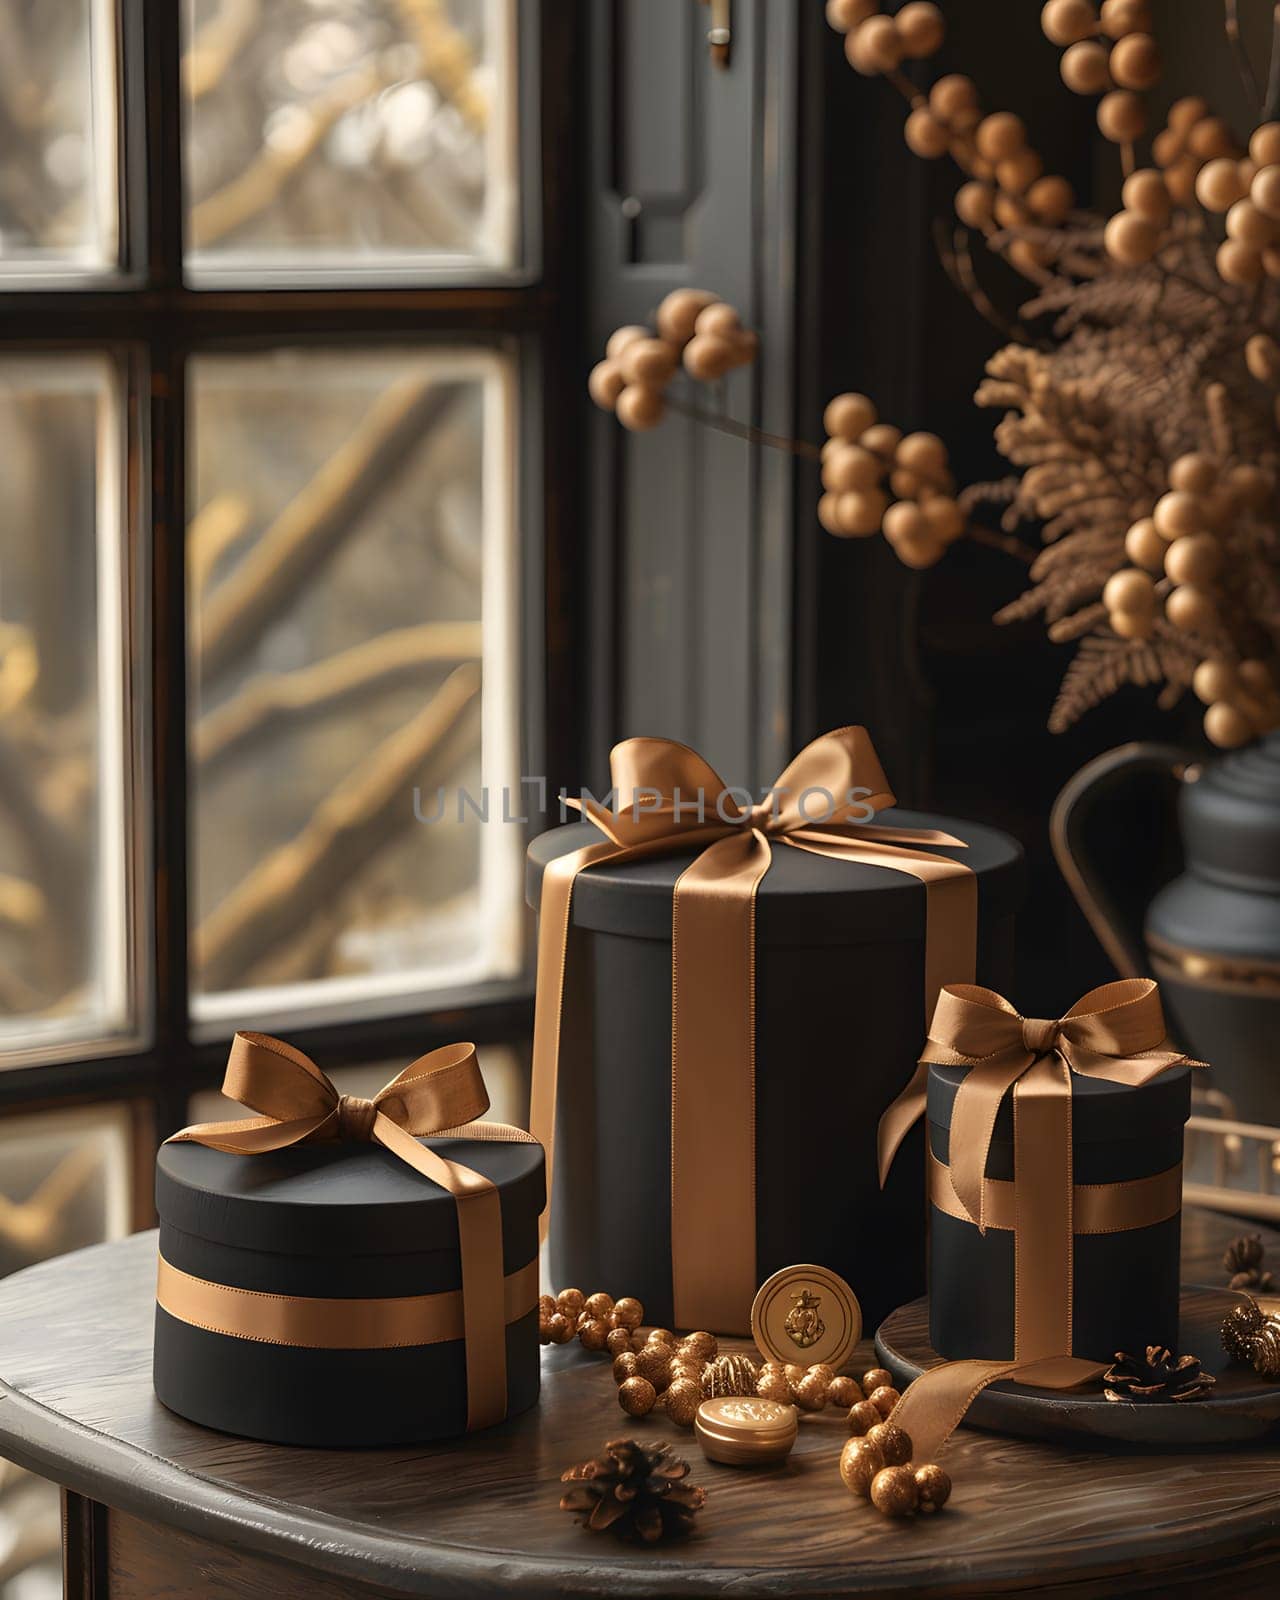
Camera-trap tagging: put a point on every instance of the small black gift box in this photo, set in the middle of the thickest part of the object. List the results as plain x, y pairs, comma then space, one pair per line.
1124, 1288
329, 1276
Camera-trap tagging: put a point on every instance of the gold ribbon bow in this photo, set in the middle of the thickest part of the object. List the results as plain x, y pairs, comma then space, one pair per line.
1115, 1032
439, 1094
679, 803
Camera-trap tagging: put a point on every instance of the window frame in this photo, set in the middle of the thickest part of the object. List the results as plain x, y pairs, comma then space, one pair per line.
151, 321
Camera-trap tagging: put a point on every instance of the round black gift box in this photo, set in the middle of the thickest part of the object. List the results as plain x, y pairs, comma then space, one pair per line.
333, 1221
839, 1026
1124, 1285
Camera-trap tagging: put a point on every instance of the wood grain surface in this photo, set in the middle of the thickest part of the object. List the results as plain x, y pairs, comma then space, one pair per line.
480, 1515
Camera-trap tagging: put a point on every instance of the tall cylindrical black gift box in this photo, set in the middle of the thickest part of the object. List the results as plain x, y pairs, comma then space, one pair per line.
335, 1221
1124, 1284
839, 1001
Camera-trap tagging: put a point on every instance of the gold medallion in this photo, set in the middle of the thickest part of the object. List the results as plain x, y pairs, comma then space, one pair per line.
806, 1314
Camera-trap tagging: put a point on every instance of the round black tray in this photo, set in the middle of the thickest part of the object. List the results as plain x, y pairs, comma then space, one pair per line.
1240, 1407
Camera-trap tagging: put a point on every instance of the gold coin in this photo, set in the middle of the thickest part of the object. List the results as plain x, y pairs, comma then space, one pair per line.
806, 1314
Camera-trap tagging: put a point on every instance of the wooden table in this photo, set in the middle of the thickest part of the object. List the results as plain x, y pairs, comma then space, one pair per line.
156, 1506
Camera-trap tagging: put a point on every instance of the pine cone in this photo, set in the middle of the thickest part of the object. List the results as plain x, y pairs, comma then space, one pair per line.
1243, 1262
1160, 1375
633, 1491
1238, 1329
729, 1375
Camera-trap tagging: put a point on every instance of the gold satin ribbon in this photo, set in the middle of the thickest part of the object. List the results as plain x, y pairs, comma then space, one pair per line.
439, 1095
1115, 1032
1095, 1207
316, 1323
713, 1165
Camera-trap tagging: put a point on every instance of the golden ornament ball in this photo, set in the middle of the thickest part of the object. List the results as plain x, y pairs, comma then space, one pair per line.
1196, 559
1238, 263
594, 1335
1226, 727
1084, 67
1262, 357
1130, 240
926, 135
881, 438
720, 320
1019, 172
1130, 590
1144, 546
1009, 210
824, 1369
705, 1346
622, 337
1250, 485
893, 1442
880, 42
1050, 199
1132, 624
1122, 117
679, 312
637, 1396
640, 407
1210, 138
570, 1302
707, 357
1264, 191
599, 1304
893, 1491
829, 514
624, 1365
619, 1341
1219, 185
1178, 513
863, 1416
974, 203
921, 29
1180, 179
1064, 22
1146, 194
1135, 61
1120, 17
904, 520
605, 384
843, 1392
861, 511
848, 416
884, 1398
560, 1329
846, 14
1251, 226
811, 1392
1169, 147
546, 1306
651, 361
1214, 680
944, 516
1000, 136
682, 1400
1264, 144
876, 1378
904, 485
654, 1363
918, 554
849, 466
953, 96
1194, 473
860, 1460
1191, 609
933, 1486
775, 1385
1185, 113
628, 1312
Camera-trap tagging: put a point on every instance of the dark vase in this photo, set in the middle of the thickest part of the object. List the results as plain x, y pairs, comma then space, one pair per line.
1212, 935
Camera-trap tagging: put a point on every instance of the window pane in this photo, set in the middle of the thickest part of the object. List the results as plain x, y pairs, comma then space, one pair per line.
351, 571
64, 907
58, 204
337, 136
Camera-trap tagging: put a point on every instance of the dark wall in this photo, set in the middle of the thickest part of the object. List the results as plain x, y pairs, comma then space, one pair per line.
958, 706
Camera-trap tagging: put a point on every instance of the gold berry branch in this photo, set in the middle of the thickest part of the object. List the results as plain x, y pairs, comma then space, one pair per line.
1139, 396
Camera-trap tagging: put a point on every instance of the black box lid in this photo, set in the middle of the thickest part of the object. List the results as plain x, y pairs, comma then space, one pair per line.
803, 899
1100, 1110
335, 1198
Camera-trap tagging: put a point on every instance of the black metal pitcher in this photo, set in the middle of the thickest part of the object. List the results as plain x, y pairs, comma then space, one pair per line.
1212, 935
